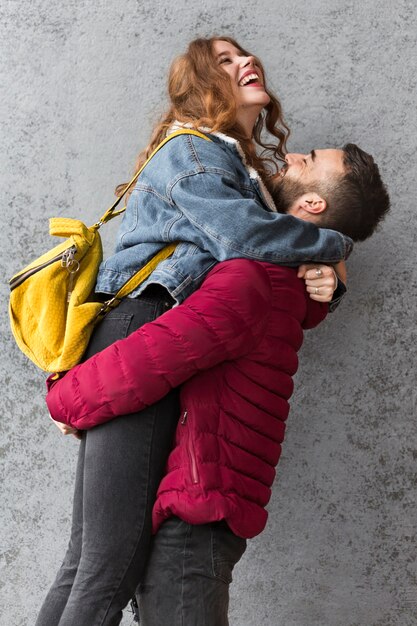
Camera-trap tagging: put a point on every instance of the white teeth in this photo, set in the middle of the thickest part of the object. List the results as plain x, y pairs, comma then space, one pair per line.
247, 78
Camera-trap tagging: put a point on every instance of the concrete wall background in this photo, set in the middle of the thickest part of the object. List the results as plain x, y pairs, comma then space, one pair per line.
83, 82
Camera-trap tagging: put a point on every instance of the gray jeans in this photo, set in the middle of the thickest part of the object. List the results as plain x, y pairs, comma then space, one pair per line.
188, 575
120, 466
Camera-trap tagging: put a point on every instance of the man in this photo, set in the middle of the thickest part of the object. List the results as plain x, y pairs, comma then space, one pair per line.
232, 346
338, 189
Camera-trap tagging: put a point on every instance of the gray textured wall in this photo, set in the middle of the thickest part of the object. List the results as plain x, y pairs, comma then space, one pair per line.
83, 82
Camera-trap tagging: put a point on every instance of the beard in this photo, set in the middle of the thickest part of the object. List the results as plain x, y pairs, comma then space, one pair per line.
285, 192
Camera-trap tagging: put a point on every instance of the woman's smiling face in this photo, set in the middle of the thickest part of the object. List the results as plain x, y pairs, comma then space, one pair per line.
246, 76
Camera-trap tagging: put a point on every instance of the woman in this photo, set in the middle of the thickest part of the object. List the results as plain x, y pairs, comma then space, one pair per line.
210, 196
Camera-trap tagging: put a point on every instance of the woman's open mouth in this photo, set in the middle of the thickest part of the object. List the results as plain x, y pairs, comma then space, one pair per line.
250, 79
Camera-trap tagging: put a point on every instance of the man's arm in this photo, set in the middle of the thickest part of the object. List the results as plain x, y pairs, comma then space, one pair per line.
219, 322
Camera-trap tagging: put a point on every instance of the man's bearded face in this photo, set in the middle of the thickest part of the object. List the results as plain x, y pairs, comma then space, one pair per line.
304, 173
287, 191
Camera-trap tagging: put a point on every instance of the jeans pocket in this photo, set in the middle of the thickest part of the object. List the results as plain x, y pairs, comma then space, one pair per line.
113, 327
117, 325
227, 550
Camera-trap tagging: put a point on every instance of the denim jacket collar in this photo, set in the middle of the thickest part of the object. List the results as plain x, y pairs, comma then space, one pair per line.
253, 174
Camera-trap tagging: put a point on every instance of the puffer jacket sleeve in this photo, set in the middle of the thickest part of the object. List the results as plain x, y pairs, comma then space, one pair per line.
223, 320
315, 313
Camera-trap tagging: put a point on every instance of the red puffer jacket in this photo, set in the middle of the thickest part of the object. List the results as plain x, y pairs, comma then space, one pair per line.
235, 341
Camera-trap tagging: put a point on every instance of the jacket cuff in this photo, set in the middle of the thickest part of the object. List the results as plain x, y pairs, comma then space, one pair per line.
338, 295
53, 402
348, 247
52, 379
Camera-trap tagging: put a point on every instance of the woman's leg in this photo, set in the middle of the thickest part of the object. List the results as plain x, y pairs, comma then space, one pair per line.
56, 600
124, 462
188, 575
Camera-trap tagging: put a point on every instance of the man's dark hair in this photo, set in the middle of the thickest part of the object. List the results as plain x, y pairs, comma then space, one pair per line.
358, 200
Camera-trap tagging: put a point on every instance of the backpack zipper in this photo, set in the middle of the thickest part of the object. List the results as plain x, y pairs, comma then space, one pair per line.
66, 257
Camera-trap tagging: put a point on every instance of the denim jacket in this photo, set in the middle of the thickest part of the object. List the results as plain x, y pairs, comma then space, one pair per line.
203, 195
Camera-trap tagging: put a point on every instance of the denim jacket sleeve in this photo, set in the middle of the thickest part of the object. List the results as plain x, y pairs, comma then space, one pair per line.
233, 224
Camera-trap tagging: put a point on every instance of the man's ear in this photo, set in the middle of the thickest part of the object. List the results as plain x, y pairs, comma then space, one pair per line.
312, 203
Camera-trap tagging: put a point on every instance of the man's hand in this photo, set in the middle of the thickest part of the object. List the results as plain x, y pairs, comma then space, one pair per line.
67, 430
321, 280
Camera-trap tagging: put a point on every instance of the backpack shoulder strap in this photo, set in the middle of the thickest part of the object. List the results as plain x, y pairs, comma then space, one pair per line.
111, 212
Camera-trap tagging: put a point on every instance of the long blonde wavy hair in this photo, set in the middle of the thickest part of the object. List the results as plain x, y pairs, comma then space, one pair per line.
200, 95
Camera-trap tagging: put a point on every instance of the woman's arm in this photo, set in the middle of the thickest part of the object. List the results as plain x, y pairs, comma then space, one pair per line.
230, 225
214, 205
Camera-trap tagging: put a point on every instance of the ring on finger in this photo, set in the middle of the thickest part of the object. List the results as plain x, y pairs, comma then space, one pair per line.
317, 290
319, 272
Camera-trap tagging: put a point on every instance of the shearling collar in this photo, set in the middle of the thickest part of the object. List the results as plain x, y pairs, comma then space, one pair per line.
253, 174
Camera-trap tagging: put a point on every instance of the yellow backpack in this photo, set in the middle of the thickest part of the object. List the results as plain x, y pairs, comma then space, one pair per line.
51, 314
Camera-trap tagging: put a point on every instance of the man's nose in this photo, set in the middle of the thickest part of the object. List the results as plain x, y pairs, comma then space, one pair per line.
294, 157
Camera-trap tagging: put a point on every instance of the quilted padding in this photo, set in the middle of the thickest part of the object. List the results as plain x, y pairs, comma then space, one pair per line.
233, 346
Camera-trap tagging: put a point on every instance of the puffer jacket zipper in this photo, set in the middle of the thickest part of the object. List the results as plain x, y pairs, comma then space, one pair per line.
190, 449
